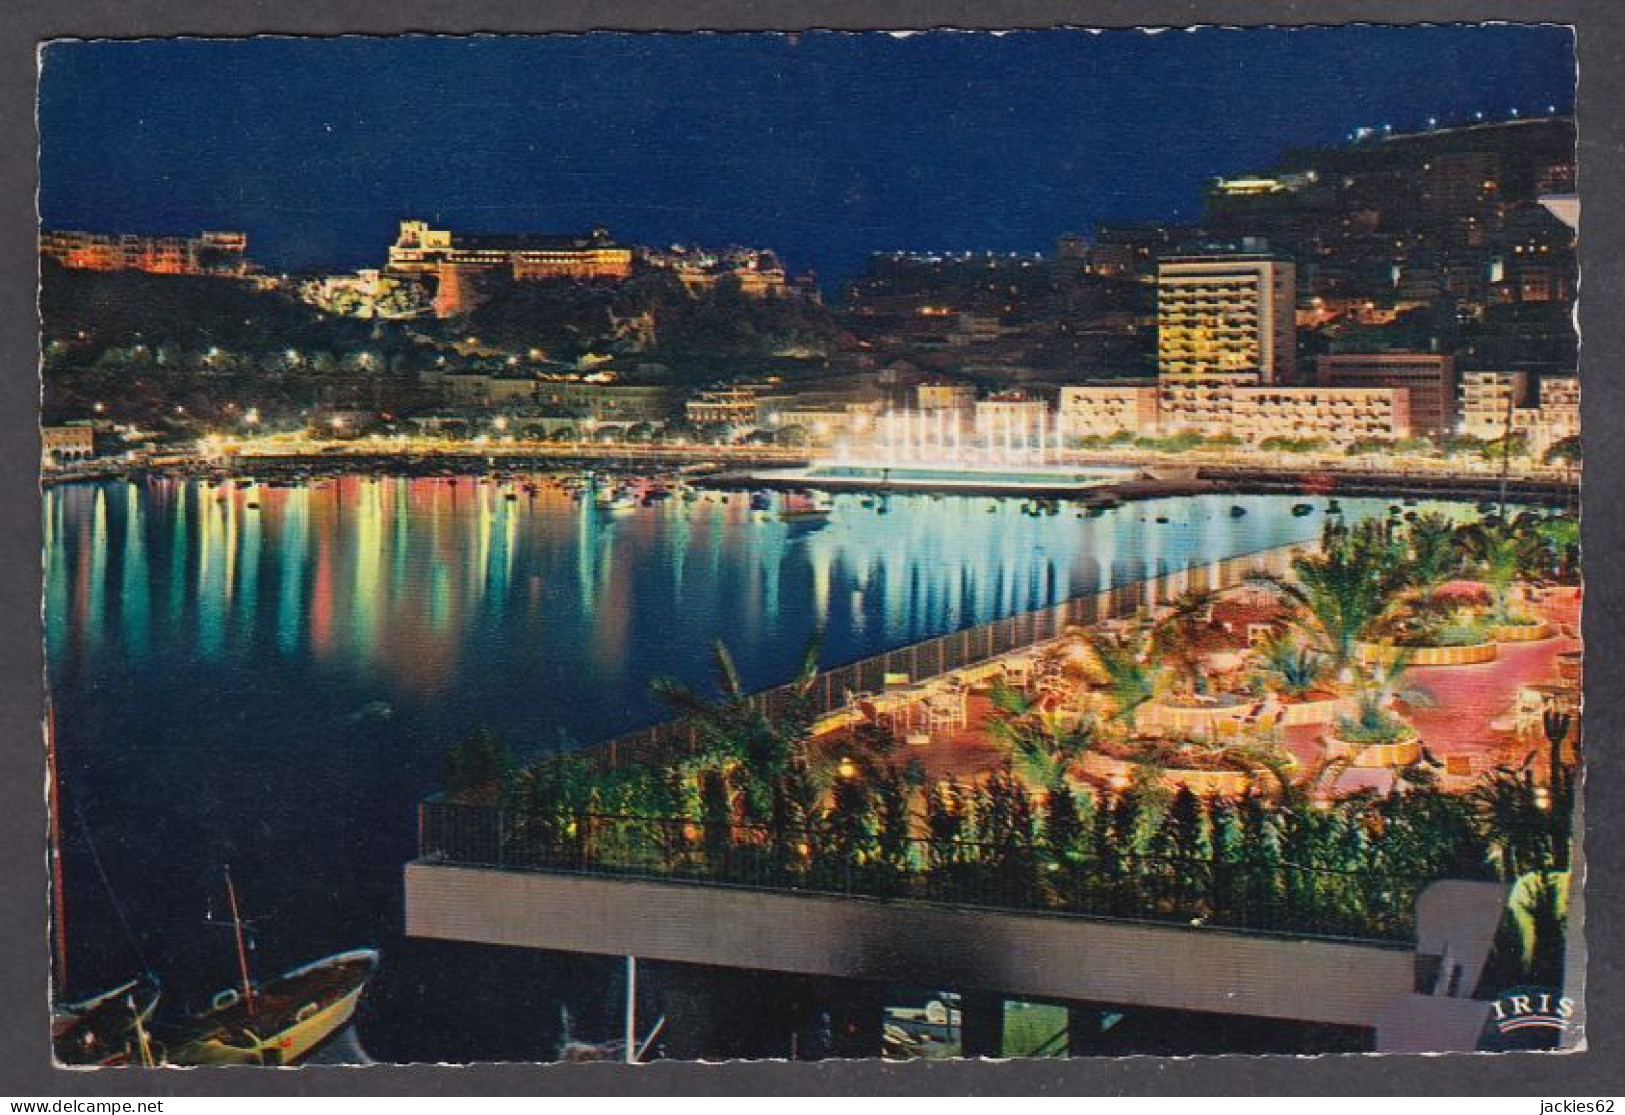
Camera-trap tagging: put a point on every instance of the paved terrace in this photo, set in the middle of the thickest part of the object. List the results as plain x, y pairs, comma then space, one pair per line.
1480, 715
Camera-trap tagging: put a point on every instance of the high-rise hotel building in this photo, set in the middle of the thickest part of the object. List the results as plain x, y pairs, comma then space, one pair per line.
1224, 322
1226, 315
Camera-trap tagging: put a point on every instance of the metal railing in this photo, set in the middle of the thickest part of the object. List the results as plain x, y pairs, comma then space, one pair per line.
946, 654
1027, 877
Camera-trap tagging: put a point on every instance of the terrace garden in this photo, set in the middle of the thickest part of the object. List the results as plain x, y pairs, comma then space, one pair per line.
1235, 758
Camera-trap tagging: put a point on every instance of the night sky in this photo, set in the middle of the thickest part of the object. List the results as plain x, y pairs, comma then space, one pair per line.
826, 146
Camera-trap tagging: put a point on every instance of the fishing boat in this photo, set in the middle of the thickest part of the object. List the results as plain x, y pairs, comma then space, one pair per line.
108, 1029
278, 1022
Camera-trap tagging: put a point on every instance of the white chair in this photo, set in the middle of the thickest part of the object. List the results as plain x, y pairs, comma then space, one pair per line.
940, 715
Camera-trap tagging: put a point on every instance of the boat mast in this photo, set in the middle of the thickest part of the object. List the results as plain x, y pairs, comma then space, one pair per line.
143, 1044
242, 952
59, 917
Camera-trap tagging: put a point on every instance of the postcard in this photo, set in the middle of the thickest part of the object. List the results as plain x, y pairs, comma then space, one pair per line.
791, 547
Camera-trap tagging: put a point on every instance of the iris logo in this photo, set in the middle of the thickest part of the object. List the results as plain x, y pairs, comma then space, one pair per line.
1529, 1010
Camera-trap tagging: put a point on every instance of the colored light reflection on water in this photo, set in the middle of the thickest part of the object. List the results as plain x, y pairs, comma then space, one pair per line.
268, 677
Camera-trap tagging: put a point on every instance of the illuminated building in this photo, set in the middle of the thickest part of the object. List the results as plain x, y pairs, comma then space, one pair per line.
208, 253
1488, 400
1096, 410
420, 249
1555, 416
60, 444
1338, 415
1429, 377
609, 402
758, 273
825, 423
486, 389
456, 259
1226, 314
944, 396
1199, 404
726, 406
1014, 422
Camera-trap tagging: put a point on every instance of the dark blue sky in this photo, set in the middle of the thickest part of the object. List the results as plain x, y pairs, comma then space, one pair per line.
827, 147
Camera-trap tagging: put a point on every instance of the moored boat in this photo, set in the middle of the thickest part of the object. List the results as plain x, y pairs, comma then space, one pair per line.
108, 1029
614, 499
801, 505
279, 1022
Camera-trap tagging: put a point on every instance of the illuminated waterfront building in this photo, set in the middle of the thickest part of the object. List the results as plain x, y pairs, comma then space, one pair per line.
1100, 410
1013, 421
724, 406
60, 444
1429, 377
1199, 404
825, 423
1555, 416
1489, 400
609, 402
208, 253
1338, 415
1220, 315
945, 396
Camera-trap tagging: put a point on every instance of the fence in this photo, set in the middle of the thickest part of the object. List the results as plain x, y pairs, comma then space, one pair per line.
959, 650
1254, 895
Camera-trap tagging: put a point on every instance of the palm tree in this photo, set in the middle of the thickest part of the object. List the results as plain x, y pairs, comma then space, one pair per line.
736, 729
1374, 720
1512, 820
1434, 557
1130, 673
1293, 665
1342, 592
1499, 551
1043, 742
1183, 636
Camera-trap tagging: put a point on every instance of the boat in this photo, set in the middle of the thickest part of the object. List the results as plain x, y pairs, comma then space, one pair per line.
1299, 510
1237, 511
614, 498
800, 505
108, 1029
278, 1022
761, 501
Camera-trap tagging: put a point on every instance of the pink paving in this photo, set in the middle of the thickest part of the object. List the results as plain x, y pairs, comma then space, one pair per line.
1469, 719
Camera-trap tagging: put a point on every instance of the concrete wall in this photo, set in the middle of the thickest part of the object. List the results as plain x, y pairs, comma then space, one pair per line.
1015, 954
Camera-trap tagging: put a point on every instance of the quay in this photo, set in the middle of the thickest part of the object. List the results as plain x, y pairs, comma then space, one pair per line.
1086, 476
